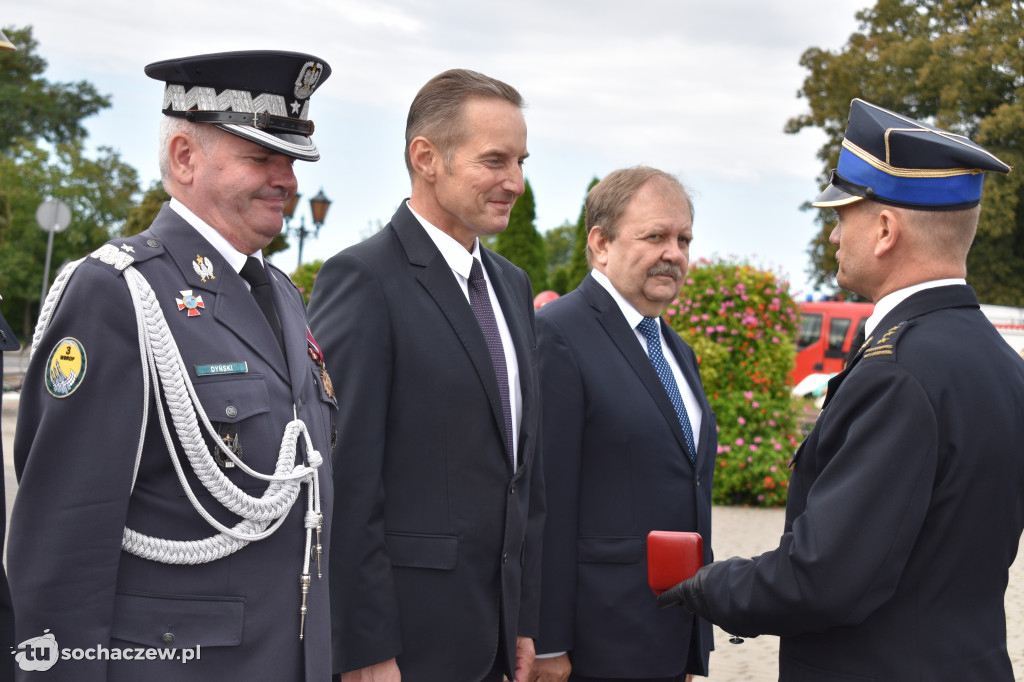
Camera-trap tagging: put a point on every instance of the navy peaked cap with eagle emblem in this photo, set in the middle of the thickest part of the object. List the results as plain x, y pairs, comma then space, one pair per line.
261, 95
896, 160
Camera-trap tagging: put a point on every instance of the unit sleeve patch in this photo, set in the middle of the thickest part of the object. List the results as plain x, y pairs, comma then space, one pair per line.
65, 368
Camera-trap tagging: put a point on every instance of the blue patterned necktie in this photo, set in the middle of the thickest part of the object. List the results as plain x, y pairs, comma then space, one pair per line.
649, 328
480, 302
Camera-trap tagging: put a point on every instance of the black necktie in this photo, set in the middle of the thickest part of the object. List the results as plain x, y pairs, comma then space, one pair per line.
256, 276
480, 301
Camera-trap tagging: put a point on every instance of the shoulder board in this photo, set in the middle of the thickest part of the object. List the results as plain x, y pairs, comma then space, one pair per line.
884, 345
120, 253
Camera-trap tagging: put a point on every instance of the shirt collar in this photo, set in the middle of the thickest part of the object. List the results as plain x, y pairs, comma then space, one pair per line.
632, 315
233, 256
888, 302
455, 254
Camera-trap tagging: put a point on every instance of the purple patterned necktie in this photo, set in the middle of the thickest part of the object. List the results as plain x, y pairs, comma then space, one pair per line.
649, 328
480, 301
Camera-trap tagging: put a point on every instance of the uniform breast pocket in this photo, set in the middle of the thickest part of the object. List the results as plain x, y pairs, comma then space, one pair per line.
239, 409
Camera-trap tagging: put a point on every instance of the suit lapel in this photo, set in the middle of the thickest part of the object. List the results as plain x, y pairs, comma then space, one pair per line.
437, 278
229, 300
292, 316
610, 317
692, 376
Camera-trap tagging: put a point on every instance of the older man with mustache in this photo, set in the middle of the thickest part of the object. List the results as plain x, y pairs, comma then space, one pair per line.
629, 443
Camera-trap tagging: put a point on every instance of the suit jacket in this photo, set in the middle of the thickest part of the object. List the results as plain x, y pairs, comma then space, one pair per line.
616, 467
904, 513
437, 540
75, 458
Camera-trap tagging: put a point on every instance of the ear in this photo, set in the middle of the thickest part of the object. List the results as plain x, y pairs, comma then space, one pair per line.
887, 232
597, 240
183, 157
426, 158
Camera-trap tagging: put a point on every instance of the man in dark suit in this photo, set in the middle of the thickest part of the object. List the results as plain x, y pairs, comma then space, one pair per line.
440, 508
619, 458
905, 508
174, 426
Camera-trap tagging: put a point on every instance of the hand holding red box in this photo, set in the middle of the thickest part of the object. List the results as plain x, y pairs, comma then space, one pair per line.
672, 557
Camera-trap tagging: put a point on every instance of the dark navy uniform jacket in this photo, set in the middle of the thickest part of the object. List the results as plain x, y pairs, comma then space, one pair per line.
905, 510
75, 457
616, 468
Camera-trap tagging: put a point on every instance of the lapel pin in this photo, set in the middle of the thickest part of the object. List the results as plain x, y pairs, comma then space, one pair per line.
204, 268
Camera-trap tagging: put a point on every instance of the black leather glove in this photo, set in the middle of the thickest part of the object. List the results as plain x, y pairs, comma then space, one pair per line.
689, 594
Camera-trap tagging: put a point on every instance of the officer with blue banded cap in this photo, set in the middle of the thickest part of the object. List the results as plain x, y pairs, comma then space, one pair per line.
174, 430
904, 511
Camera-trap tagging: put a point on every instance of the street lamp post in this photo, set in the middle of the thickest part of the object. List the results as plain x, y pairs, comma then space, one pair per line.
318, 205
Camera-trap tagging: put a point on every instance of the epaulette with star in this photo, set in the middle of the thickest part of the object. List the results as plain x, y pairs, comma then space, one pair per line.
120, 253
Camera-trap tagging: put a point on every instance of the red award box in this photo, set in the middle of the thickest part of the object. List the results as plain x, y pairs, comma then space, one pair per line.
672, 557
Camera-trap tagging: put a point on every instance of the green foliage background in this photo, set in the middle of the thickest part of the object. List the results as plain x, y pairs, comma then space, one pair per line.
42, 157
741, 321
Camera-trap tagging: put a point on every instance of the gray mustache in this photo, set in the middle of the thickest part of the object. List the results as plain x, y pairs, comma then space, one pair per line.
665, 269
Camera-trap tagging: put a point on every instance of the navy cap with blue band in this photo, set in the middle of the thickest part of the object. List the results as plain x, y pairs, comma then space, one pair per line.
898, 161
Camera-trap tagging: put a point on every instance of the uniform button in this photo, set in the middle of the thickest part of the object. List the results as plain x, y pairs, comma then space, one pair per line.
504, 558
698, 482
513, 491
231, 411
152, 243
167, 638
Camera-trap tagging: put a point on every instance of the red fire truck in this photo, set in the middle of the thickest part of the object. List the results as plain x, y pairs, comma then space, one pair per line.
827, 329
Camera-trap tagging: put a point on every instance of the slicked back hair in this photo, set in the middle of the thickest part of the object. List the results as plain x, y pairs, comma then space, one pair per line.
436, 111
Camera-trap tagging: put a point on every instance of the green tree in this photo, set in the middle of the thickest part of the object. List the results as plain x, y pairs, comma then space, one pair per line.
141, 216
42, 157
957, 64
578, 267
98, 192
522, 244
33, 107
559, 243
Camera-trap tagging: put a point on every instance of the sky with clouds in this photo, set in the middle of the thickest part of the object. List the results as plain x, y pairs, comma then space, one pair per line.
702, 90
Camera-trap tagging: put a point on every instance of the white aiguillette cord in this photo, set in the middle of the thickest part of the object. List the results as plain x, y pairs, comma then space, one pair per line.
163, 366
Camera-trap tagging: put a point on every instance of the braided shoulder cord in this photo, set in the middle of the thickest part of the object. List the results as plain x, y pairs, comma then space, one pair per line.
164, 367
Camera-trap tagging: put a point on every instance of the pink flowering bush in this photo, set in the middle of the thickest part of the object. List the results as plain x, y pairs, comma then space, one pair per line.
740, 322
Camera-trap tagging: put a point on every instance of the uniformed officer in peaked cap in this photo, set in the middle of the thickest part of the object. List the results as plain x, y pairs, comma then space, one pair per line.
904, 510
174, 430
